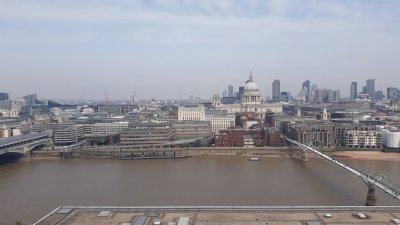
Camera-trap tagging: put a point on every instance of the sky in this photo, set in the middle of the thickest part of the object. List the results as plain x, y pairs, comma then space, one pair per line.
171, 49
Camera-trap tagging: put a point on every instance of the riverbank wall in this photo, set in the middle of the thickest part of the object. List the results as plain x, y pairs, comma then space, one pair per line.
123, 153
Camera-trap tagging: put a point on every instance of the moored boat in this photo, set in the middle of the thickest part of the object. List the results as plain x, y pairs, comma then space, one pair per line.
254, 159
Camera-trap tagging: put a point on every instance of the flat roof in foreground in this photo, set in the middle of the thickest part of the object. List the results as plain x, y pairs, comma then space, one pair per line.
68, 215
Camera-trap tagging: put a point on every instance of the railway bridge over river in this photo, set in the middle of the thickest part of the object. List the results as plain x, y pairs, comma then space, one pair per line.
22, 144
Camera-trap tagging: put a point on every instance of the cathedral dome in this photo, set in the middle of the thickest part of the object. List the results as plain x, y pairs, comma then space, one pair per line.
250, 86
251, 94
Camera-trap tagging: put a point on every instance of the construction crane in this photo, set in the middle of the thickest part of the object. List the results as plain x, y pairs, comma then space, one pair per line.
82, 97
105, 92
133, 96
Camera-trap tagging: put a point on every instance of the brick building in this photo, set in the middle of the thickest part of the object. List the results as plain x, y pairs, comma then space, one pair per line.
235, 137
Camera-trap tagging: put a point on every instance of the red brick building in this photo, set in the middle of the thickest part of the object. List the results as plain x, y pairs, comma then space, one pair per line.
235, 137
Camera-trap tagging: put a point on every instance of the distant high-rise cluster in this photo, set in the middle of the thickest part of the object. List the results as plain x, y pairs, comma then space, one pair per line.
369, 92
14, 107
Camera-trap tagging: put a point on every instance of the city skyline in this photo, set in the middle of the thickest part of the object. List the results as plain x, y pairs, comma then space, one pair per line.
174, 49
225, 92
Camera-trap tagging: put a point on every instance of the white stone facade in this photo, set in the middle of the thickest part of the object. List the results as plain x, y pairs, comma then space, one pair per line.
222, 122
192, 113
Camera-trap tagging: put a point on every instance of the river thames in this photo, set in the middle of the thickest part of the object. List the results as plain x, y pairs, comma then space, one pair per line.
30, 188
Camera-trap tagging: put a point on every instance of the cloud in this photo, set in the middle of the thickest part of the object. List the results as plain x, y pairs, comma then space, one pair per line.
176, 36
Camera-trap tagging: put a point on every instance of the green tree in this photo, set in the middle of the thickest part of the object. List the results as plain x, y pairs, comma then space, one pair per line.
19, 223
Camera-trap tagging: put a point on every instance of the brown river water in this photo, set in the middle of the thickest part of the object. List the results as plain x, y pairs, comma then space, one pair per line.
30, 188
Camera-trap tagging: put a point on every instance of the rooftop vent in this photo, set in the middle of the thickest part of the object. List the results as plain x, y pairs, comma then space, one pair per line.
104, 214
63, 211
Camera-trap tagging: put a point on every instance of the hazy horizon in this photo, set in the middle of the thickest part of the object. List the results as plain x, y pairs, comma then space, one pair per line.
172, 49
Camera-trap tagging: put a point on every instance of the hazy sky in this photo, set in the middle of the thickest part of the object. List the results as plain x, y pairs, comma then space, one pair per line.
174, 48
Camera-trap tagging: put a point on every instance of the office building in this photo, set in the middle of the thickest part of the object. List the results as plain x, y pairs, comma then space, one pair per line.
230, 91
276, 90
109, 128
378, 95
393, 93
148, 134
161, 133
193, 113
353, 90
113, 109
326, 95
241, 91
307, 90
62, 134
3, 96
30, 100
68, 135
370, 88
219, 120
6, 104
191, 130
285, 96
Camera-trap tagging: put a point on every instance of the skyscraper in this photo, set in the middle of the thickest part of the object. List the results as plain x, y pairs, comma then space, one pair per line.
3, 96
285, 96
370, 88
241, 91
392, 93
230, 91
276, 90
306, 88
353, 90
225, 94
378, 95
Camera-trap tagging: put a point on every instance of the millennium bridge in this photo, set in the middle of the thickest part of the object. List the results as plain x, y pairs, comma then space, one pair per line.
370, 179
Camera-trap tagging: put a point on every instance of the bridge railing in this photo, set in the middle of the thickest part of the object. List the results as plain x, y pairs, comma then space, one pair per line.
20, 148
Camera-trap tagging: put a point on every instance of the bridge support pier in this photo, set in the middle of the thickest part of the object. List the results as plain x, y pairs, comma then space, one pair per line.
303, 156
371, 197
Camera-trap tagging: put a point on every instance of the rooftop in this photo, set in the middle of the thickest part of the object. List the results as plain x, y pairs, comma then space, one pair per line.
213, 215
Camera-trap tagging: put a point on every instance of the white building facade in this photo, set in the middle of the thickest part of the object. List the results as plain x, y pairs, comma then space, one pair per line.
391, 137
363, 139
221, 122
192, 113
